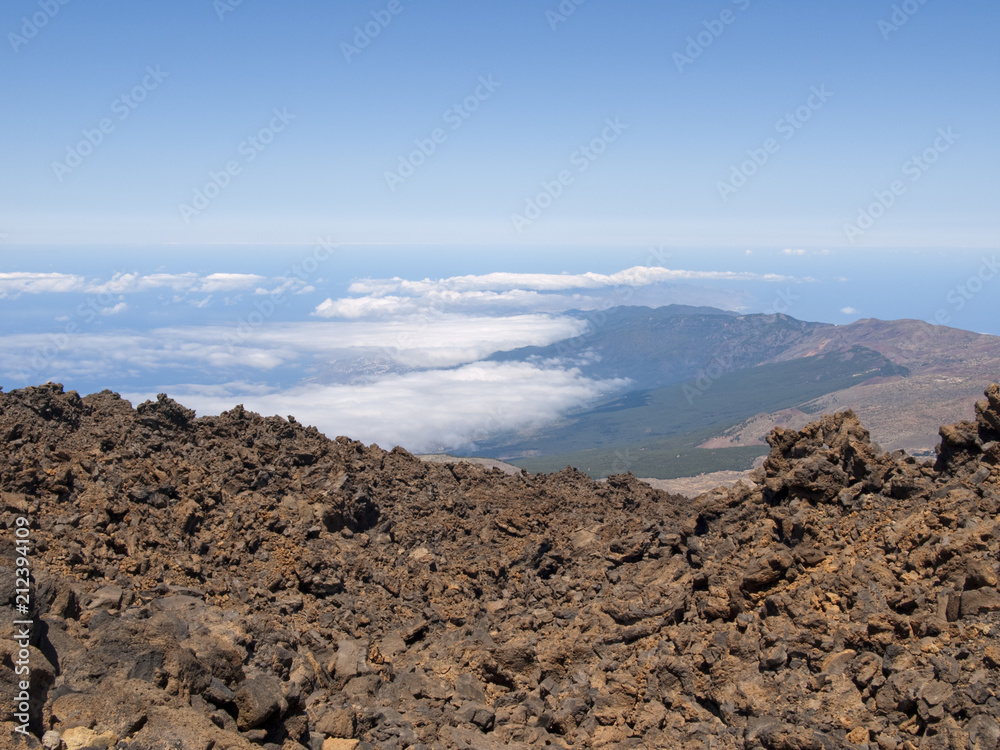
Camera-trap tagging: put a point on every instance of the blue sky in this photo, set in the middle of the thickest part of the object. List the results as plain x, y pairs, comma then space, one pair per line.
552, 90
340, 209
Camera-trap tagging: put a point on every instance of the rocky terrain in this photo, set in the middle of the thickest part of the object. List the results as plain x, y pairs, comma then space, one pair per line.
242, 582
697, 485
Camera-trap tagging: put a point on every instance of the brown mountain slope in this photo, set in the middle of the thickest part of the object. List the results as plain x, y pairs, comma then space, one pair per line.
947, 367
924, 348
240, 582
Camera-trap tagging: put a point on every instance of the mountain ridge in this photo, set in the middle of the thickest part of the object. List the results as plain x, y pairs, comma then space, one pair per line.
671, 343
926, 372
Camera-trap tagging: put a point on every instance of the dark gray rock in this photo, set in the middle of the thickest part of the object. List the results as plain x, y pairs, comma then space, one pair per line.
258, 700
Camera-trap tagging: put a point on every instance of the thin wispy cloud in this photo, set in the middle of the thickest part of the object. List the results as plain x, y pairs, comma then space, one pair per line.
286, 285
133, 283
116, 309
16, 283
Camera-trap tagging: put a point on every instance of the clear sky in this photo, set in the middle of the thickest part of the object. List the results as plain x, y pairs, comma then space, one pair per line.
716, 124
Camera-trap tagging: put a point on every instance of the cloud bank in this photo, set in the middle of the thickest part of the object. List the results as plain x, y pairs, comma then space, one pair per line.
433, 342
423, 411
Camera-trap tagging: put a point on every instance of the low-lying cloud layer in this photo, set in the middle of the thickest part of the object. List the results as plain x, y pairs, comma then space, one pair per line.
396, 361
424, 411
421, 342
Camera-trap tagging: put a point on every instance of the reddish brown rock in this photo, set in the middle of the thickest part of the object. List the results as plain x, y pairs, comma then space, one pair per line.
240, 581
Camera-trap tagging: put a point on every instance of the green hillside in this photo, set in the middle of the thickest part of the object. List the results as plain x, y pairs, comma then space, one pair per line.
655, 432
672, 344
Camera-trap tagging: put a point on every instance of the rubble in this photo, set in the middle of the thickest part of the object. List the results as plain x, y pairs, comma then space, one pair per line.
243, 582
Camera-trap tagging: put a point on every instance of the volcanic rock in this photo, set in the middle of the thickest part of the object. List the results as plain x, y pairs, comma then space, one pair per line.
242, 581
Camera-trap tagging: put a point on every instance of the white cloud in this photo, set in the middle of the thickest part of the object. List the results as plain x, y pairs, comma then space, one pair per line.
120, 283
498, 292
849, 311
124, 283
431, 342
436, 301
228, 282
133, 283
105, 356
788, 251
293, 285
119, 308
636, 276
362, 307
422, 411
421, 341
16, 283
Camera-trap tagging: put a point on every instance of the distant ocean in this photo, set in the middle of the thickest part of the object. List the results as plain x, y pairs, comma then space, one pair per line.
956, 288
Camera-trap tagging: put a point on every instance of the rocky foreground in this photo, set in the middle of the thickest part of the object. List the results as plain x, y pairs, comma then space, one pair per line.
239, 582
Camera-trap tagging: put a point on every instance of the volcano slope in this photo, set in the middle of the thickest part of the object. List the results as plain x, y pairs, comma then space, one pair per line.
239, 581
